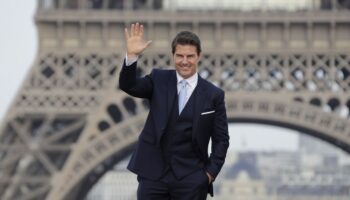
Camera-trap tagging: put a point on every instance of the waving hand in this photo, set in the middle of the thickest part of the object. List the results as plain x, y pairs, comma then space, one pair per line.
135, 42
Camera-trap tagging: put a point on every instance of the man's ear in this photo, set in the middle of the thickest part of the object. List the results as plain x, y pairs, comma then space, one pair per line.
172, 58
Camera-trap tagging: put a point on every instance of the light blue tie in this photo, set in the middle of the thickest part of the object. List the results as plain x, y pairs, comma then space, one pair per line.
182, 95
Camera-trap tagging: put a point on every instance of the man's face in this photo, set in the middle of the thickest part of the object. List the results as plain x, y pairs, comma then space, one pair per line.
186, 60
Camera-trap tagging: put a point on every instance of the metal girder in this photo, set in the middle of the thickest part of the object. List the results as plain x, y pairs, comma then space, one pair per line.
69, 123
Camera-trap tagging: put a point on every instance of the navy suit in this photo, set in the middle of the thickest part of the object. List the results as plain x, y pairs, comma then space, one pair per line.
209, 122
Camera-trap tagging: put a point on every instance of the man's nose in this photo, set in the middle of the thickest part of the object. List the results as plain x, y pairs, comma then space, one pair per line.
184, 60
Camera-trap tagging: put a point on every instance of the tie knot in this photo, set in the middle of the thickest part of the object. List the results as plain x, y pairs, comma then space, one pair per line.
183, 83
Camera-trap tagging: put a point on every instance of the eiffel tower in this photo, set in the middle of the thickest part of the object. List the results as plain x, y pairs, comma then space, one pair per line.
284, 65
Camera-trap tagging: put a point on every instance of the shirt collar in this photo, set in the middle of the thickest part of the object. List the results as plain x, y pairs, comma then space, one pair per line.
192, 80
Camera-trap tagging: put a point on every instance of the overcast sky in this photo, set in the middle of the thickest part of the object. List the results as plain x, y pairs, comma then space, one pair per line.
18, 48
18, 45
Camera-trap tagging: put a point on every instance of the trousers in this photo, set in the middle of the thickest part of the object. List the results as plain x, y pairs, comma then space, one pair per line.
168, 187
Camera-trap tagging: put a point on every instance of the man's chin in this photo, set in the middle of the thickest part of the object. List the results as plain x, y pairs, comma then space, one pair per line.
185, 75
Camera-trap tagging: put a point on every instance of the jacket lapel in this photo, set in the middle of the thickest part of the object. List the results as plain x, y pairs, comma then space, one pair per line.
163, 112
172, 88
198, 103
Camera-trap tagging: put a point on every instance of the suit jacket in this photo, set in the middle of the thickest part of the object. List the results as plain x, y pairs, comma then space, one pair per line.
210, 121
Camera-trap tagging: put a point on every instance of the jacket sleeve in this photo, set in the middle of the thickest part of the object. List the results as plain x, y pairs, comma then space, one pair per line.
135, 86
220, 137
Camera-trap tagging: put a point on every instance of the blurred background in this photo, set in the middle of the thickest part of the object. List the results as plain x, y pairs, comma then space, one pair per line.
67, 131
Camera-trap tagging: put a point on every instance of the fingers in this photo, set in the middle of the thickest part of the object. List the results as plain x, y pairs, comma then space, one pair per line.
135, 30
132, 31
126, 33
141, 30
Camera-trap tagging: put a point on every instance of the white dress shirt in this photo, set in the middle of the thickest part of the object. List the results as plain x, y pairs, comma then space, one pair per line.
128, 61
192, 83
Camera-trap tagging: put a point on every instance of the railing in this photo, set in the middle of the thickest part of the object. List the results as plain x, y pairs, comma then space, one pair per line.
178, 5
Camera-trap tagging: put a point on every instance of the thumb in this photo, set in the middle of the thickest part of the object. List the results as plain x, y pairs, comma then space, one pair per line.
148, 43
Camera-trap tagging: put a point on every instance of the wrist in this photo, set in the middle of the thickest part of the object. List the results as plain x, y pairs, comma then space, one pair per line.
131, 56
129, 61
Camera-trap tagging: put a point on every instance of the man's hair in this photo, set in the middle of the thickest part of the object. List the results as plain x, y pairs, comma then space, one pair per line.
186, 38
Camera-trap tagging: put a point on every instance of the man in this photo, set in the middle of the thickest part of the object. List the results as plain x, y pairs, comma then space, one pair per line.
186, 111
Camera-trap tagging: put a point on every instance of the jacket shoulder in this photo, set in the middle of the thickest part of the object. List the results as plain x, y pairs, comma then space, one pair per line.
162, 71
161, 74
213, 88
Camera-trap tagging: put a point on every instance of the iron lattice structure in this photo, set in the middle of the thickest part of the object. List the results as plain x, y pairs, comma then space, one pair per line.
69, 123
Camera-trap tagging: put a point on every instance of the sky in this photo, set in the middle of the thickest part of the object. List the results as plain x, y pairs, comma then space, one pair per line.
18, 48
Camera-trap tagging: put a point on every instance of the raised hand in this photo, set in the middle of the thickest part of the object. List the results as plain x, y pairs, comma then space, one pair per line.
135, 42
